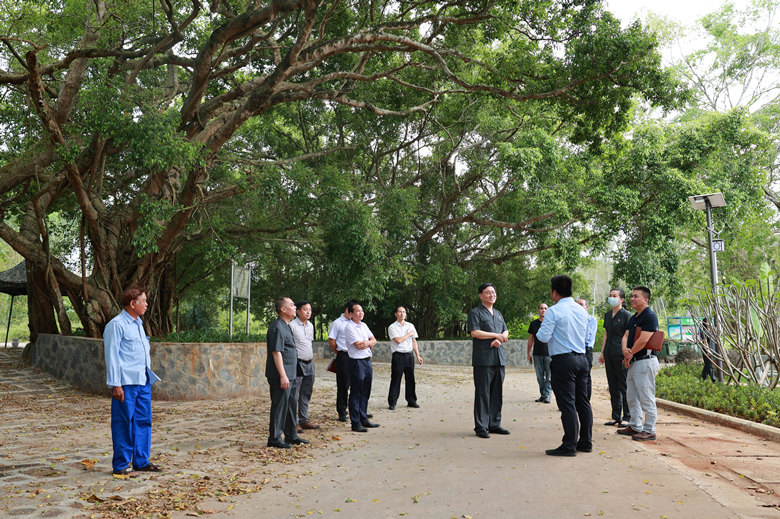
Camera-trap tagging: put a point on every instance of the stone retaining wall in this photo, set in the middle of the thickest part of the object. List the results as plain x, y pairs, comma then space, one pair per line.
188, 371
455, 353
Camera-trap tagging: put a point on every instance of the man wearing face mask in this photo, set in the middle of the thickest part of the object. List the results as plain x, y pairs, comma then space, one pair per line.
615, 326
489, 333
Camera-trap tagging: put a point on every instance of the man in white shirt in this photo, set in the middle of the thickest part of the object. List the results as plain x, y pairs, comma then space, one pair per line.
337, 343
403, 344
303, 333
360, 342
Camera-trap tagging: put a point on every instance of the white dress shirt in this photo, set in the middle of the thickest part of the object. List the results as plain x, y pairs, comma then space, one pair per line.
396, 330
336, 332
355, 332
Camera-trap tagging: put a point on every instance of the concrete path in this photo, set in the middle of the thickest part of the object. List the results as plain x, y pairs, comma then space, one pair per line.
421, 463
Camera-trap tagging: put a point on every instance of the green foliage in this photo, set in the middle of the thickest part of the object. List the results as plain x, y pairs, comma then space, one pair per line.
682, 383
209, 335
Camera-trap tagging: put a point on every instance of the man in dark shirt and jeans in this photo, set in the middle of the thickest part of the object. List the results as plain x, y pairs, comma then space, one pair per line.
489, 332
642, 367
541, 357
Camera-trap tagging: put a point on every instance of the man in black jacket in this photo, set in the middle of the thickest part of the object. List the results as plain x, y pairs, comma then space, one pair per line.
280, 369
489, 332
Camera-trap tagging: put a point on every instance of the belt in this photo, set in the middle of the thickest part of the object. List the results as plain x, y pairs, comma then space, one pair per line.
402, 353
568, 354
642, 357
305, 361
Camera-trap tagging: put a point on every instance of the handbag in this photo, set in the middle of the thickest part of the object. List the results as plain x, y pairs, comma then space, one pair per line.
332, 365
655, 343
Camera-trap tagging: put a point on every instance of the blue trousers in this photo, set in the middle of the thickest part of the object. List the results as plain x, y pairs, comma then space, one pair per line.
131, 427
361, 375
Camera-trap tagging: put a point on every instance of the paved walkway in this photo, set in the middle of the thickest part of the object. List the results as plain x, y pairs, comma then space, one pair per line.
421, 463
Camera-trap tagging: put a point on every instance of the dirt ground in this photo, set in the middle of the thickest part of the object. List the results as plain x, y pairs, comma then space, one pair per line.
55, 454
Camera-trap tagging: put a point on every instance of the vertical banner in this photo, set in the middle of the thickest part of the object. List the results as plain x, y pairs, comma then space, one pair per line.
240, 286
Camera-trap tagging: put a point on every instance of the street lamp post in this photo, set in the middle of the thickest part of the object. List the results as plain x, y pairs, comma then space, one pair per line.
707, 202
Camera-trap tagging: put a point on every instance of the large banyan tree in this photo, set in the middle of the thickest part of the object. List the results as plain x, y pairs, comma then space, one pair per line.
129, 119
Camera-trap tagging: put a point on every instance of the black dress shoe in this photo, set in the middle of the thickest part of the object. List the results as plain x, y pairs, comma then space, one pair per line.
297, 441
279, 444
540, 399
356, 427
342, 418
584, 448
483, 434
499, 430
560, 451
369, 424
415, 405
369, 415
391, 407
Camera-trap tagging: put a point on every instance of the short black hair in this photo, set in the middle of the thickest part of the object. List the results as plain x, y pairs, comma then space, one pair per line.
483, 286
561, 284
301, 304
349, 304
400, 306
279, 303
351, 307
645, 291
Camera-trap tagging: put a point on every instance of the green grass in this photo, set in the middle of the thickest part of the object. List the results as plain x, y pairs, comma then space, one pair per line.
681, 383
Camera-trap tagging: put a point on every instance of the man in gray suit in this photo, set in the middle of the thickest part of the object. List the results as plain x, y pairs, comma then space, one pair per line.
280, 369
489, 332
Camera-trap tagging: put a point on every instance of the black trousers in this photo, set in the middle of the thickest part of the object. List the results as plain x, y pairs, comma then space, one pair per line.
343, 366
616, 378
402, 365
282, 414
570, 385
709, 370
488, 397
589, 356
361, 378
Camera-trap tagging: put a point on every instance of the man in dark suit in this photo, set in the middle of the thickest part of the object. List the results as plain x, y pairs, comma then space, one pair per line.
280, 369
489, 332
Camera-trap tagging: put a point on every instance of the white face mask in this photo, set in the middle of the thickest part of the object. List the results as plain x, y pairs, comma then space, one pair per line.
613, 301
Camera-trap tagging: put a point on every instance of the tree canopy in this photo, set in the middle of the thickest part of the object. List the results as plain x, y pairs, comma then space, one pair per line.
379, 150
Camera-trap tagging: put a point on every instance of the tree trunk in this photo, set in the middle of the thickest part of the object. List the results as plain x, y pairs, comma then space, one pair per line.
40, 306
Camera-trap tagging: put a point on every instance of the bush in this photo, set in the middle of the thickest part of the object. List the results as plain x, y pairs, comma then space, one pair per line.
687, 354
682, 383
209, 336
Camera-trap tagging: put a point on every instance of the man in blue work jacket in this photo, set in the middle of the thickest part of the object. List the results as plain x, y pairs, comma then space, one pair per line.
130, 378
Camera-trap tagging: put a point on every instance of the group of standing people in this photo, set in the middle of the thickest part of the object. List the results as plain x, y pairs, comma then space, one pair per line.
560, 346
630, 367
352, 342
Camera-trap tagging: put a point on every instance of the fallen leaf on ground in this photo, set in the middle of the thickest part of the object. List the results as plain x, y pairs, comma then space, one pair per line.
88, 464
93, 499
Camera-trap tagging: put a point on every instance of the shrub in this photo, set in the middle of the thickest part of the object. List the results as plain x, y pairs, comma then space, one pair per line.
687, 354
682, 383
209, 336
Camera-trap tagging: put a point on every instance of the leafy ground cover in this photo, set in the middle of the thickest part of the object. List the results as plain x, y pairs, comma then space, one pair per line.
681, 383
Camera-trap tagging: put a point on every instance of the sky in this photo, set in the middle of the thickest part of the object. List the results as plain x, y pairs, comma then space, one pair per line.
684, 11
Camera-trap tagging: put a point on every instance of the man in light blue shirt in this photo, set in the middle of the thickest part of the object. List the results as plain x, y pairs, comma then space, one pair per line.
590, 340
130, 378
564, 329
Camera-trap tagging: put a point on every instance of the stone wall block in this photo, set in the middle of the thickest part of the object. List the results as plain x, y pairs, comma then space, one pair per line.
187, 370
